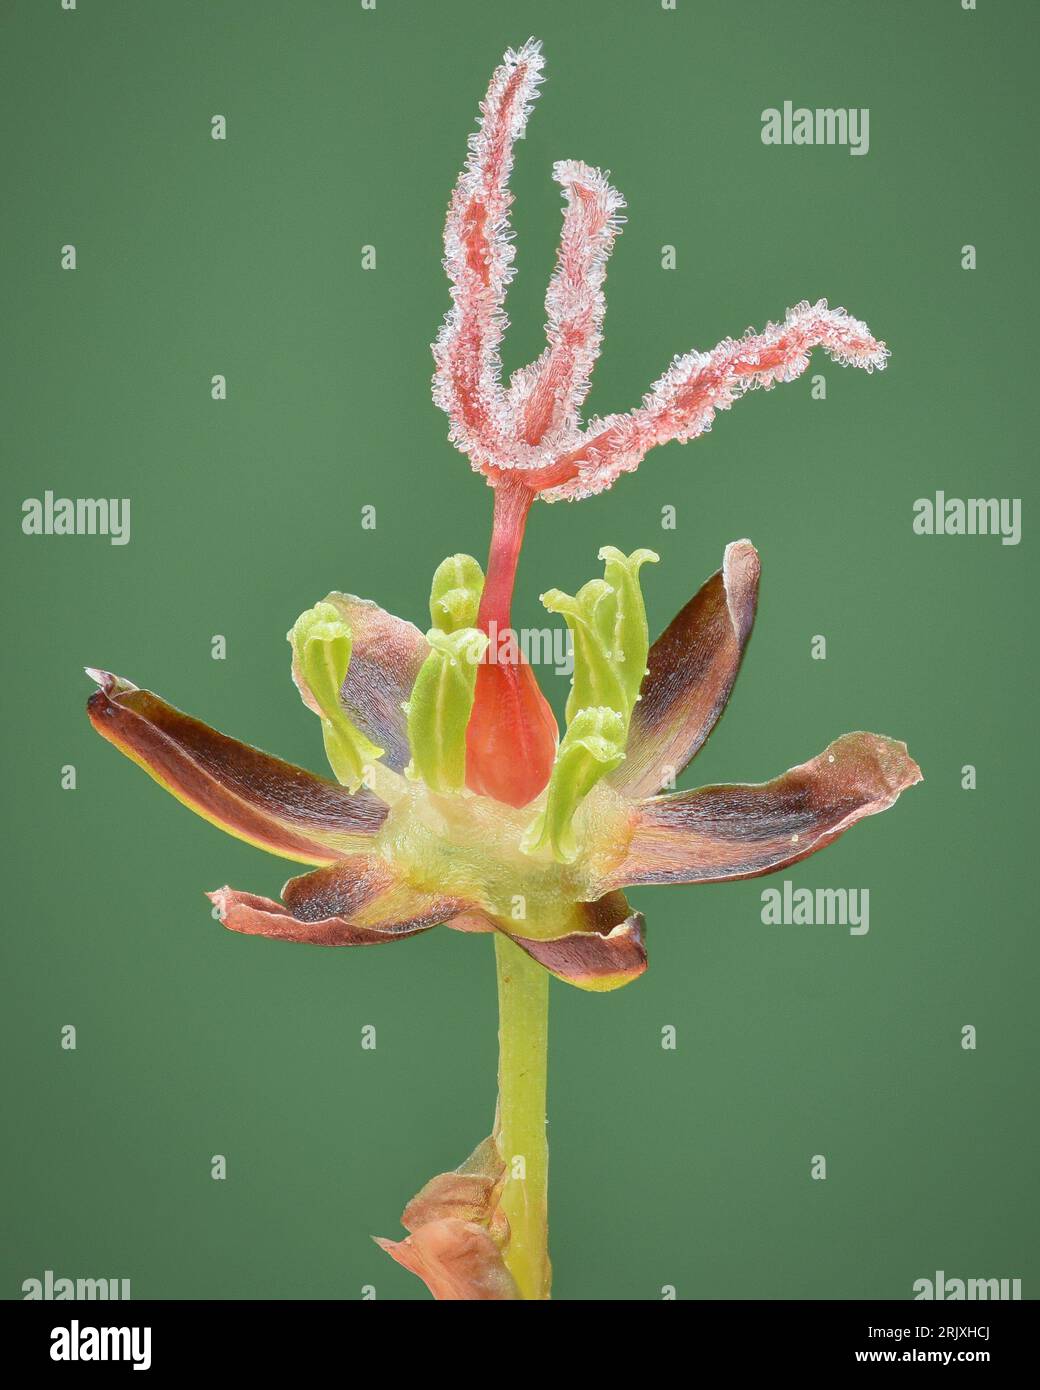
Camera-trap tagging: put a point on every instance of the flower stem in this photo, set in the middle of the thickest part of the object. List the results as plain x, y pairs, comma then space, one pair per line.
523, 1033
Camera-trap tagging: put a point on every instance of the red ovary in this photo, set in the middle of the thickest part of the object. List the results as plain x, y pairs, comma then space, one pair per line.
511, 737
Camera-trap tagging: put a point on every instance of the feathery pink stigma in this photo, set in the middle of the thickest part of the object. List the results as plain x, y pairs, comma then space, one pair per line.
682, 404
532, 430
545, 397
478, 259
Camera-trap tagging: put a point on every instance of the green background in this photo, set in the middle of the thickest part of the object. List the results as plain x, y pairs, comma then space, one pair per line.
345, 127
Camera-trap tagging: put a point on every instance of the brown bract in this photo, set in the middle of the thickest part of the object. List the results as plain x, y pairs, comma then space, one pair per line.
457, 1234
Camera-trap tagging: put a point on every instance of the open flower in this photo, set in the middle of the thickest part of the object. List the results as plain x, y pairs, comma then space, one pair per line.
415, 847
455, 799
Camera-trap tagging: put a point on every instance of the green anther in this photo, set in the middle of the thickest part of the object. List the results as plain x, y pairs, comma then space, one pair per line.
321, 643
631, 637
455, 594
593, 745
590, 615
608, 622
439, 707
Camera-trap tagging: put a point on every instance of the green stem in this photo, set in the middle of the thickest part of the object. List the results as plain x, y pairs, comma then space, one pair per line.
523, 1034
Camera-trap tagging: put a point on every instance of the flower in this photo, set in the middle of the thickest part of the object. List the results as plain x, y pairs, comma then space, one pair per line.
476, 813
415, 847
455, 800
